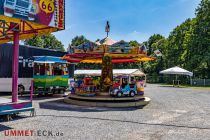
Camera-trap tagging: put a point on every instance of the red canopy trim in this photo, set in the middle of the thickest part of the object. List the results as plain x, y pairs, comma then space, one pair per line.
85, 55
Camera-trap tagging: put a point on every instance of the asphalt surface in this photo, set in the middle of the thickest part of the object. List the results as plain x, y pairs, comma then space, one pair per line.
173, 114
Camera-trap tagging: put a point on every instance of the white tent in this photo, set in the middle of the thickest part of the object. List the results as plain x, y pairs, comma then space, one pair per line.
88, 72
176, 71
116, 72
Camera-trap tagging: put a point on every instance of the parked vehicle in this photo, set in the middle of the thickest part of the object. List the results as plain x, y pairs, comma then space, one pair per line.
50, 75
25, 65
127, 90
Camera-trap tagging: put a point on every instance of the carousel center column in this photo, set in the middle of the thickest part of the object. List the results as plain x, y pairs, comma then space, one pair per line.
106, 74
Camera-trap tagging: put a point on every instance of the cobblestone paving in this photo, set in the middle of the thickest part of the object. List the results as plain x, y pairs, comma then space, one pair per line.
173, 114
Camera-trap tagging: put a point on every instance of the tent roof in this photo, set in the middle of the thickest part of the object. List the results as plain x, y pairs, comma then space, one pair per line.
116, 72
176, 71
48, 59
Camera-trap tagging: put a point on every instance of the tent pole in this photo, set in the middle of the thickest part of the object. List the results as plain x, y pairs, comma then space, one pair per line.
15, 67
145, 79
129, 78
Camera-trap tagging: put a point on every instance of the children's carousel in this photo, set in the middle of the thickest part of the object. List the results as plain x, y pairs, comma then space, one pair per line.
108, 87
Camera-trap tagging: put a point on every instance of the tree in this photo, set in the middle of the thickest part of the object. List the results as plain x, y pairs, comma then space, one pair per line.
200, 44
178, 44
153, 39
46, 41
97, 40
155, 67
35, 41
134, 43
78, 40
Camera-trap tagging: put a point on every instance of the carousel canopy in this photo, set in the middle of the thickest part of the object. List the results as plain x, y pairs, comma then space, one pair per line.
48, 59
121, 44
116, 72
176, 71
87, 45
116, 61
120, 52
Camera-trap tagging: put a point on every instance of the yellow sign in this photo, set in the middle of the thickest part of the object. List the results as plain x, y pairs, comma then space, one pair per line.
47, 6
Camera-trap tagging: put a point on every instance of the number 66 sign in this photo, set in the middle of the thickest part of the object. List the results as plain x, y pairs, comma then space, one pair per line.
47, 6
45, 15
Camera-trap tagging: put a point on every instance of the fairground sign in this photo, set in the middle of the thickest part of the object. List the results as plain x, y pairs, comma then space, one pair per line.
30, 18
44, 12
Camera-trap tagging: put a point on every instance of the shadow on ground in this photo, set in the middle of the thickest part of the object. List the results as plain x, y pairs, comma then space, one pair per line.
129, 121
14, 118
40, 97
3, 128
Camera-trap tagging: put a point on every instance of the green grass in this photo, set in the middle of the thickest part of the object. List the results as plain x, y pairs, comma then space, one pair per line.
188, 86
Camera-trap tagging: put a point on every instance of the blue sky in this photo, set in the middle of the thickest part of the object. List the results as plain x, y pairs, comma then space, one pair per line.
129, 19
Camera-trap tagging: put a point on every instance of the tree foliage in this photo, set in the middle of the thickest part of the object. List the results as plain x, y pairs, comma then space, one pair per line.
200, 41
187, 46
78, 40
46, 41
153, 39
134, 43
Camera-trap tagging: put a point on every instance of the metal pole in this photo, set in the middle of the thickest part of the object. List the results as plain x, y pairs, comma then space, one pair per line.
190, 80
15, 67
32, 90
204, 81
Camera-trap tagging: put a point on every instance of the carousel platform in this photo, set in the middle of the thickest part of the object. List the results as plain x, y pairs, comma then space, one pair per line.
107, 101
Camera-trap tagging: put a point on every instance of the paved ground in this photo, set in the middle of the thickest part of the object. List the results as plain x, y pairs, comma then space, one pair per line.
173, 114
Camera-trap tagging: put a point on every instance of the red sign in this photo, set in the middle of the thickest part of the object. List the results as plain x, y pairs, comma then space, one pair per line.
44, 12
61, 13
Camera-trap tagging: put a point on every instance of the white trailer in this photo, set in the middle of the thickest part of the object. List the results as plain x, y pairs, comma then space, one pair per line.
26, 54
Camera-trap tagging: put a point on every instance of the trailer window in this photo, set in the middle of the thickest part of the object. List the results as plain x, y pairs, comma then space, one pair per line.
48, 69
36, 69
65, 69
57, 69
39, 69
42, 69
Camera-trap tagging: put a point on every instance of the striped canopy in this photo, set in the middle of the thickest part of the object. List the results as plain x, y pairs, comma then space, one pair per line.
48, 59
